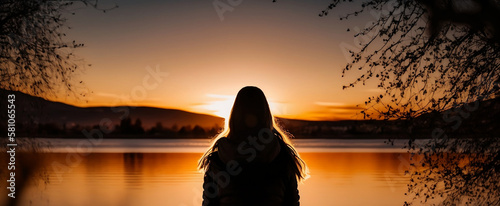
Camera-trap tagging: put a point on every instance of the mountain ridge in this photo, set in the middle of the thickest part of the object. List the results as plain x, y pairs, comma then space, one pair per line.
32, 109
36, 112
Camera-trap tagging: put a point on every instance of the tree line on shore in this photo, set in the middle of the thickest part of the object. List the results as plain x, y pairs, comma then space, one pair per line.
127, 127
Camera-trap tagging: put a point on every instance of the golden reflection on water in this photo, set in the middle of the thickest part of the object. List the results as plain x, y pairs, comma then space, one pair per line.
355, 179
172, 179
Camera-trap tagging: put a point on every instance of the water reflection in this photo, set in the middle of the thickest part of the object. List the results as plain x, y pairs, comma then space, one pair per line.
173, 179
133, 164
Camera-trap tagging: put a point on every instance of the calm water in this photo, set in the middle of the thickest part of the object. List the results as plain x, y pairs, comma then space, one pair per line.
160, 172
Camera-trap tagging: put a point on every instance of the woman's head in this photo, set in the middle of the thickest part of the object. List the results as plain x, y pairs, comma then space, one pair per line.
250, 113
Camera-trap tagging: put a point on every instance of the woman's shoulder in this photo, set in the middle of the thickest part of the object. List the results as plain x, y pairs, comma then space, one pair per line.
215, 162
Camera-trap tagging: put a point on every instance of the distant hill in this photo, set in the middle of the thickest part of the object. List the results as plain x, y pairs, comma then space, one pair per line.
478, 119
36, 110
41, 117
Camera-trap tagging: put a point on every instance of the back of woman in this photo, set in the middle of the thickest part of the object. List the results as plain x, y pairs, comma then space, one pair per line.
252, 162
239, 179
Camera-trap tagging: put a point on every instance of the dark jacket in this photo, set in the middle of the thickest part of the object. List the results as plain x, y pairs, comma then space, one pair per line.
241, 177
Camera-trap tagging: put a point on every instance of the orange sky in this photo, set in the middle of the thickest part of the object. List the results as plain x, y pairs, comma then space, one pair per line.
284, 48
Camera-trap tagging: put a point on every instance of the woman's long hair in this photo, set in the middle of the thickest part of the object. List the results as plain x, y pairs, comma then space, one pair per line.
250, 114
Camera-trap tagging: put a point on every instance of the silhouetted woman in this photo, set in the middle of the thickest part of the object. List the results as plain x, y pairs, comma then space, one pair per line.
252, 162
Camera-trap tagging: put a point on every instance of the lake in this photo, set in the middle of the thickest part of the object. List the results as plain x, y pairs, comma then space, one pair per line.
163, 172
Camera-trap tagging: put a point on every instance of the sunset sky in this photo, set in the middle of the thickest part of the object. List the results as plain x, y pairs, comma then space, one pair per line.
284, 48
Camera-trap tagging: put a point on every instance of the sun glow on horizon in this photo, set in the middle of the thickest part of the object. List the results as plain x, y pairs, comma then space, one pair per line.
222, 104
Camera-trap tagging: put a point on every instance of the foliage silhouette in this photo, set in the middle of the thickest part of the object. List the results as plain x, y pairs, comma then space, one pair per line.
35, 56
435, 59
36, 59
